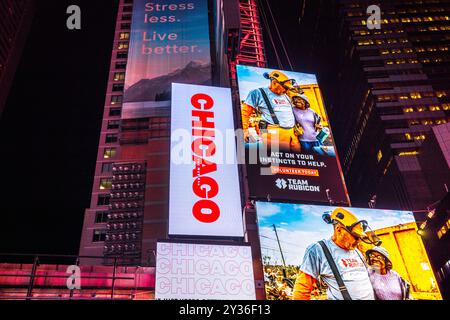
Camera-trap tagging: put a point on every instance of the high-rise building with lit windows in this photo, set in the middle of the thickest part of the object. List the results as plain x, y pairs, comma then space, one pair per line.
129, 211
385, 89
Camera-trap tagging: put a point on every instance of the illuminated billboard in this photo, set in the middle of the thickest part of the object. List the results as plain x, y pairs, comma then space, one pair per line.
204, 272
204, 182
169, 42
289, 144
388, 262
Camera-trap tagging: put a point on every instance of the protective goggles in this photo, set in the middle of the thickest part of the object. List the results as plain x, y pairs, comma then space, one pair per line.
283, 83
366, 236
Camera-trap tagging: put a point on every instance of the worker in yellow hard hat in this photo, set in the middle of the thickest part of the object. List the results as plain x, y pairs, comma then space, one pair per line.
337, 261
277, 118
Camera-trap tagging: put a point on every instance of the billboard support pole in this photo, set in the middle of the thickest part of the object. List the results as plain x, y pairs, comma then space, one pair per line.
281, 251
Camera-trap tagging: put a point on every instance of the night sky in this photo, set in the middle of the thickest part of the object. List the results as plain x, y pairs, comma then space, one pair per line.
50, 128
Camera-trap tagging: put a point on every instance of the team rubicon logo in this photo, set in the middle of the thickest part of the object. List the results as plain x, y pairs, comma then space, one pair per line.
281, 184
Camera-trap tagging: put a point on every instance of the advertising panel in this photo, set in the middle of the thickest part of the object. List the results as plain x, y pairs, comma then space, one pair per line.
388, 262
289, 144
169, 42
201, 271
205, 197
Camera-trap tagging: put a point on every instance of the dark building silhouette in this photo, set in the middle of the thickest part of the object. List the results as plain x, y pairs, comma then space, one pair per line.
385, 90
15, 21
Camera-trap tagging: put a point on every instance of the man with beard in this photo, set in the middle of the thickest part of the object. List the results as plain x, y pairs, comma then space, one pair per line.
277, 118
337, 261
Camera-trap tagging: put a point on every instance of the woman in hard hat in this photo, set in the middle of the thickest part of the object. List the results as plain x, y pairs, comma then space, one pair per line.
387, 284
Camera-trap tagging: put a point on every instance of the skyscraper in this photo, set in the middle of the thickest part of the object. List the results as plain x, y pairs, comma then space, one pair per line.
15, 17
385, 88
130, 195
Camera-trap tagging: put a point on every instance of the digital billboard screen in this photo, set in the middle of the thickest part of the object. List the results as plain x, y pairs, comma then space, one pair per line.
289, 146
203, 271
204, 195
169, 42
377, 253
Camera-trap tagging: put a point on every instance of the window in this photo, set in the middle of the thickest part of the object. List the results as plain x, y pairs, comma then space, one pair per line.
126, 17
119, 76
114, 112
415, 95
124, 36
105, 183
122, 54
103, 199
109, 153
116, 99
117, 87
121, 65
379, 155
99, 235
111, 138
442, 232
125, 26
107, 167
122, 46
113, 124
408, 153
101, 216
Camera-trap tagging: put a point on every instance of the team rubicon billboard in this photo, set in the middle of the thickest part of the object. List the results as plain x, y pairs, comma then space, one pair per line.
204, 181
169, 42
288, 141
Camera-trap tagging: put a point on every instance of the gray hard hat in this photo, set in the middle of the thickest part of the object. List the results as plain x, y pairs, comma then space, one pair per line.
381, 251
303, 96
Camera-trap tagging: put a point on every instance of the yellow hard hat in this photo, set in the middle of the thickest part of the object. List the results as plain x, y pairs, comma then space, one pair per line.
281, 78
352, 224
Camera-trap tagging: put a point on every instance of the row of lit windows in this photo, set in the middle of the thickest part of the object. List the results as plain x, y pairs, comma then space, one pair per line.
427, 108
444, 229
432, 49
407, 20
427, 122
411, 95
401, 11
408, 153
418, 49
422, 19
409, 136
368, 42
377, 32
421, 60
433, 28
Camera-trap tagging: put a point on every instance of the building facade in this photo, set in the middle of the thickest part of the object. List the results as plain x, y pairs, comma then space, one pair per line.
386, 88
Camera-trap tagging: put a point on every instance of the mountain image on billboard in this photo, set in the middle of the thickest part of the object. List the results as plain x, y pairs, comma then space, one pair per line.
169, 42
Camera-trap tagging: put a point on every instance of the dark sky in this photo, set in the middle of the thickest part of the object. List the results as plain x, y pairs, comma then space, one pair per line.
50, 128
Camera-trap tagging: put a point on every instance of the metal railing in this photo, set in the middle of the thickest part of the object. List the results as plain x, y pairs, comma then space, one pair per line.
52, 289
